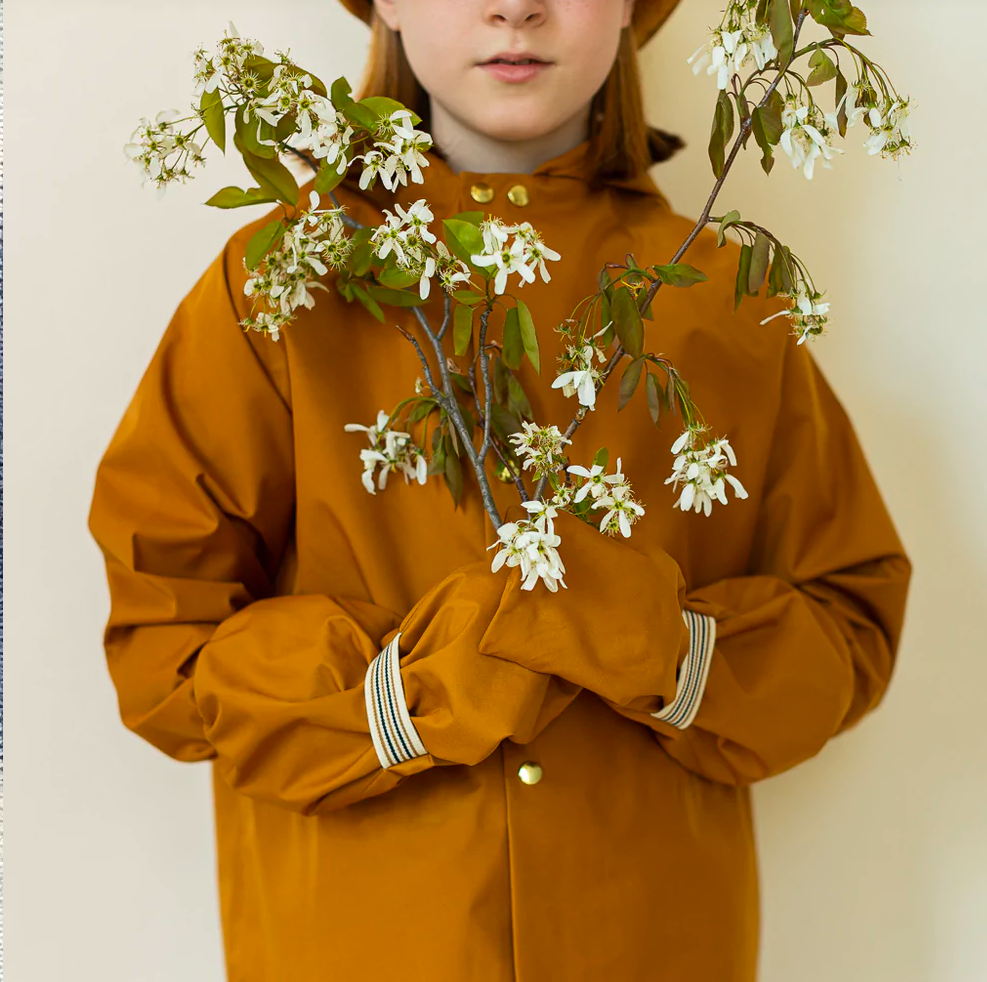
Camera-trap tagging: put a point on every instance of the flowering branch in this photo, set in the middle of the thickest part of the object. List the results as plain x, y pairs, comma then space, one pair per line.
278, 108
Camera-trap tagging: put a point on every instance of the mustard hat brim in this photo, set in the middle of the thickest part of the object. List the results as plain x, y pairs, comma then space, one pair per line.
649, 15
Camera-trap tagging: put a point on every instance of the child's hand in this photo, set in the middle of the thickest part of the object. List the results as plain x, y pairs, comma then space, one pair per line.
617, 630
462, 704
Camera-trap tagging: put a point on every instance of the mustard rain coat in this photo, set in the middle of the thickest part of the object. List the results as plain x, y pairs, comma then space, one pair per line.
425, 811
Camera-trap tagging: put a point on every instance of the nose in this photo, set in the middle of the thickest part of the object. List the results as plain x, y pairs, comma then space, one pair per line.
516, 13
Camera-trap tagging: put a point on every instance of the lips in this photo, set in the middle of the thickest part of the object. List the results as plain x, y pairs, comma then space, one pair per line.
514, 66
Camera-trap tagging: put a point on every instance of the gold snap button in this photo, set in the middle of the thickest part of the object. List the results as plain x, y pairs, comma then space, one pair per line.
518, 195
530, 772
482, 193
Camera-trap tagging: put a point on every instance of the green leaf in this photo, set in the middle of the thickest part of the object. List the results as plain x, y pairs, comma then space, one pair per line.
681, 274
472, 217
271, 175
396, 298
787, 283
528, 336
759, 263
260, 66
774, 274
316, 85
652, 391
628, 382
395, 277
840, 16
602, 457
462, 328
211, 111
513, 345
463, 238
367, 301
517, 399
503, 422
262, 241
782, 31
462, 381
841, 112
339, 94
730, 218
500, 375
761, 136
743, 275
454, 475
421, 410
384, 106
327, 178
823, 68
246, 132
627, 321
467, 296
359, 260
361, 116
234, 197
720, 133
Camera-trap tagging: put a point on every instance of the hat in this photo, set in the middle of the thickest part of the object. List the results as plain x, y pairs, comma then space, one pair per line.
649, 15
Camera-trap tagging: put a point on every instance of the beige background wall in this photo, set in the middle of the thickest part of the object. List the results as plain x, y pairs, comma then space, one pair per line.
874, 853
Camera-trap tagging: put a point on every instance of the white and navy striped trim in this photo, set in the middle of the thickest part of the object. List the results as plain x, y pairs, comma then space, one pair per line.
395, 737
693, 671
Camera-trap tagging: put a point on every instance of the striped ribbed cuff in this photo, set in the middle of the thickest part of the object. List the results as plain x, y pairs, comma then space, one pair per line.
693, 672
395, 737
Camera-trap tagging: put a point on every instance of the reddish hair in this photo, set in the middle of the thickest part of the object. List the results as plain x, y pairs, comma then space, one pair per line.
622, 144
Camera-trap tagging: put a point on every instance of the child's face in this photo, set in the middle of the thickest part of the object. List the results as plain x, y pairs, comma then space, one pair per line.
448, 41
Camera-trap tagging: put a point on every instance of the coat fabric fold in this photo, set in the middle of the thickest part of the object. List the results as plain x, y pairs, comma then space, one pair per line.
416, 771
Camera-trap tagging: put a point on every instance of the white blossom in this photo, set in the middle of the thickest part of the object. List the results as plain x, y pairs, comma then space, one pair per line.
809, 316
313, 242
541, 447
531, 544
579, 375
806, 134
595, 480
391, 450
622, 510
399, 151
152, 144
231, 53
522, 256
738, 40
701, 466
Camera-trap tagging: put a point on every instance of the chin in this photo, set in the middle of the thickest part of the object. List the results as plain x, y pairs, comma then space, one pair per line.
512, 125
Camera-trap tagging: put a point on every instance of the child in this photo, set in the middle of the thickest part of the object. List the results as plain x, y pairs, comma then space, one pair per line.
421, 771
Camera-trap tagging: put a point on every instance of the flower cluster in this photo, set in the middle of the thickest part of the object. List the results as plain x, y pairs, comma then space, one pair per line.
523, 255
227, 64
152, 144
701, 466
890, 132
311, 243
533, 545
578, 375
807, 133
416, 248
610, 491
541, 447
391, 450
399, 150
809, 316
738, 40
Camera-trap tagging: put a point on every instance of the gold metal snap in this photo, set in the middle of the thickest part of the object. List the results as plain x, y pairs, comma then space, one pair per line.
482, 193
518, 195
530, 772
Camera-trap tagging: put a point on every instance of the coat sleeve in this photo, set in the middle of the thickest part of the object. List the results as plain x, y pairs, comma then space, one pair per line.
306, 701
801, 647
